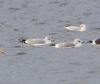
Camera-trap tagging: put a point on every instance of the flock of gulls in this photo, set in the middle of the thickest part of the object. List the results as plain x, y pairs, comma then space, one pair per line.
51, 42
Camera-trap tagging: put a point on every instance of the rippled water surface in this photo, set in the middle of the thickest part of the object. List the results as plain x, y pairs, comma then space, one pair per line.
25, 64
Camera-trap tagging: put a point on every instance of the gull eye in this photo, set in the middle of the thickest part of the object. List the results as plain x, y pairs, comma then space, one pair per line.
79, 41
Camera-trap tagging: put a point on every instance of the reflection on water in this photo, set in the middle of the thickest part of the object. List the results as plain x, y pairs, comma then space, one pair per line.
21, 53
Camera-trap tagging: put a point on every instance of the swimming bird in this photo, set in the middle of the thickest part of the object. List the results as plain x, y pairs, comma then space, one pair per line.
81, 28
75, 43
36, 42
95, 42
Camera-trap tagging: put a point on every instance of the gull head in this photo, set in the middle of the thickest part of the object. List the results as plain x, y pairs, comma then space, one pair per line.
83, 27
47, 38
97, 42
77, 41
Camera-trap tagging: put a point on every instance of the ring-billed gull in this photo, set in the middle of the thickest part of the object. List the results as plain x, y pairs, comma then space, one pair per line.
75, 43
80, 28
36, 42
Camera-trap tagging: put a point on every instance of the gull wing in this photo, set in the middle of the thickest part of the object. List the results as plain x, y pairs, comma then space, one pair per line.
74, 28
35, 41
69, 45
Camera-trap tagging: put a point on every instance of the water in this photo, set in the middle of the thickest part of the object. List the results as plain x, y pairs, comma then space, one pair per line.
24, 64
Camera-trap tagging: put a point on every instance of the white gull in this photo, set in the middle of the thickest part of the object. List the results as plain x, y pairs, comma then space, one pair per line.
75, 43
37, 42
80, 28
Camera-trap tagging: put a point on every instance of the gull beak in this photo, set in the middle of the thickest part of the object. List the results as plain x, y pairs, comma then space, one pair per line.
84, 42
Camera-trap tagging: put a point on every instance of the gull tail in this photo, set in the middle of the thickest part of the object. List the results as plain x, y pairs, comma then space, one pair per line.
22, 40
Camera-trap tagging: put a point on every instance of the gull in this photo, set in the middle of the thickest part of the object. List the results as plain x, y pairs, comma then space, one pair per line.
37, 42
80, 28
74, 44
95, 42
